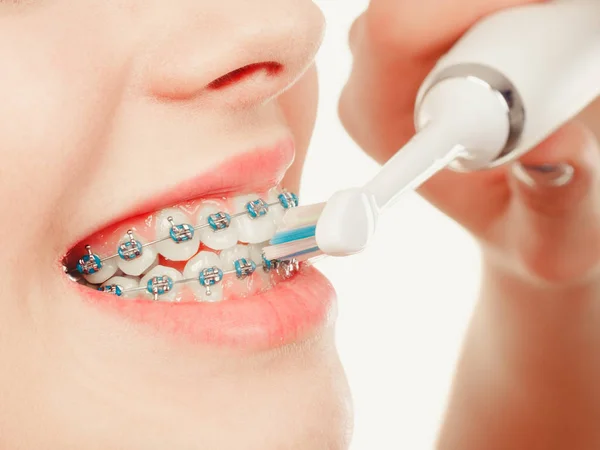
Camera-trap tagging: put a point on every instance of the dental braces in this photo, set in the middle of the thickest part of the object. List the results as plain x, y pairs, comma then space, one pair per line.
208, 277
132, 249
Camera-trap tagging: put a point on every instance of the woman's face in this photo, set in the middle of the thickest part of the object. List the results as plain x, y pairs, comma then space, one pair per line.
112, 111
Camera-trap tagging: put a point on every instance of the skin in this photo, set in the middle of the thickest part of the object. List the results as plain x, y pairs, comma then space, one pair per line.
89, 87
527, 377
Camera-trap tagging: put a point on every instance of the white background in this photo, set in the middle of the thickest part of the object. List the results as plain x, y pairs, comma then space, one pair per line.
404, 304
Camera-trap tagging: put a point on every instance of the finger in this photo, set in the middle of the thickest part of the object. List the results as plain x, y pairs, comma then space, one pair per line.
556, 178
376, 103
474, 199
356, 33
395, 44
553, 221
428, 26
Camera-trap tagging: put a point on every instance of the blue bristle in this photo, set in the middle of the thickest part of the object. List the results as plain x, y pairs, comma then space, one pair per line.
303, 252
293, 235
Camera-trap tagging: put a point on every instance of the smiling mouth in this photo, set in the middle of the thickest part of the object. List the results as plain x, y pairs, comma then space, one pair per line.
197, 268
205, 246
202, 250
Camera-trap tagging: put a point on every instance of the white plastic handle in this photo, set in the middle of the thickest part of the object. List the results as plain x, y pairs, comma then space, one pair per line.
550, 53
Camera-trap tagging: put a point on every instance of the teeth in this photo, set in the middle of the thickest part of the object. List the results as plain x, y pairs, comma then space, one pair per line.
216, 293
217, 240
174, 294
252, 230
109, 268
256, 251
276, 212
255, 223
232, 283
152, 266
169, 248
140, 264
203, 260
230, 255
125, 283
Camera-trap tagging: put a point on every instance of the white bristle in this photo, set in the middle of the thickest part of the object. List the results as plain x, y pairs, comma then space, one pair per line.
301, 216
289, 249
312, 256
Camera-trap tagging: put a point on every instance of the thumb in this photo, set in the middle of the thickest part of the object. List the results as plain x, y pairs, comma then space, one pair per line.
553, 222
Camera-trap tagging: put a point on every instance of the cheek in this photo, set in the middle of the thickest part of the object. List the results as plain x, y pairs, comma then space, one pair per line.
57, 95
299, 105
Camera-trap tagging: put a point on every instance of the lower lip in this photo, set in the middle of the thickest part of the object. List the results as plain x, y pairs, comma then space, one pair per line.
291, 311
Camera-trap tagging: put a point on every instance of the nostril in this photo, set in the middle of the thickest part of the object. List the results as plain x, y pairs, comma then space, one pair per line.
235, 76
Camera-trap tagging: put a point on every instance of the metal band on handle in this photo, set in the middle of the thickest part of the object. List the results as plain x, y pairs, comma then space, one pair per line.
506, 91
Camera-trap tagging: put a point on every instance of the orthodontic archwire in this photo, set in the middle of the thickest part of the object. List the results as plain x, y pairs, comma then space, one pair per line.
132, 249
209, 277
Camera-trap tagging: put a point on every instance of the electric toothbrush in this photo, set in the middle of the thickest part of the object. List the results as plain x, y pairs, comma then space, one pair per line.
508, 83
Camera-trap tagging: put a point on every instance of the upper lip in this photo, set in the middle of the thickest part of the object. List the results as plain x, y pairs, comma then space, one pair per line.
254, 170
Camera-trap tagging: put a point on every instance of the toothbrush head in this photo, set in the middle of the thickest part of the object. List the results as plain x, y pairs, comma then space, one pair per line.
341, 227
347, 222
295, 237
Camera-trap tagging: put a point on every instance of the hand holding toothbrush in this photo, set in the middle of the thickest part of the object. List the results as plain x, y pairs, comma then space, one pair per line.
538, 222
545, 199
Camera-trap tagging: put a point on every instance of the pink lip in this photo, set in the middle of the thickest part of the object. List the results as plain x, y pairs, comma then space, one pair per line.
290, 311
255, 170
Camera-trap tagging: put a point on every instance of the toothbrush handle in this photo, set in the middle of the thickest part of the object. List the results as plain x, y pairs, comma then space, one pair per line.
550, 54
428, 152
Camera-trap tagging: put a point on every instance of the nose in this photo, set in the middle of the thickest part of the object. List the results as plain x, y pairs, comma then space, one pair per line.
240, 51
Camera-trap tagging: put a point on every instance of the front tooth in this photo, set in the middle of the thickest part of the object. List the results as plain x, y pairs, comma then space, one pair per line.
253, 230
169, 248
203, 260
220, 239
140, 264
125, 283
109, 268
174, 275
